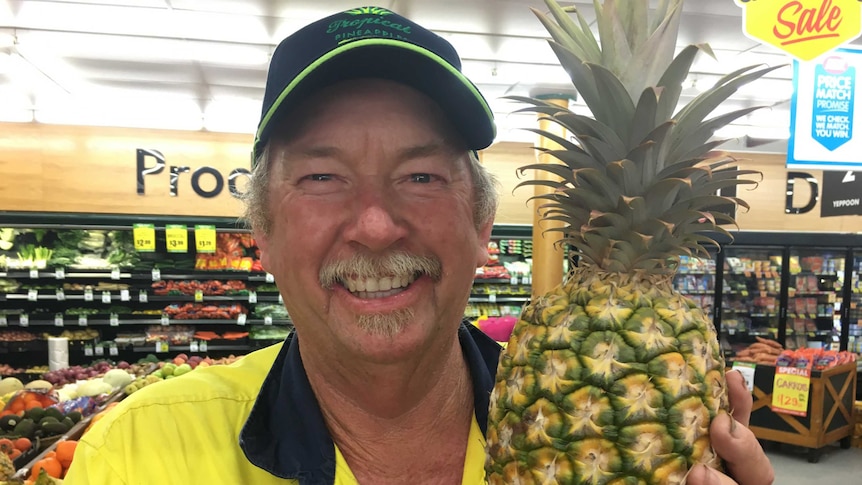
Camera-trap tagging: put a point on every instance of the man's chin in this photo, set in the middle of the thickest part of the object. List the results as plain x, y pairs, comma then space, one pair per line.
386, 324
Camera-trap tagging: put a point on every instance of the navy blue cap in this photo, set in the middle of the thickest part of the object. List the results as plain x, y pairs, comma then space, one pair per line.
377, 43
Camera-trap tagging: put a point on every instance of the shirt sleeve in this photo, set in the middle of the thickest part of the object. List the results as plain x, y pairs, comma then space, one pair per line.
90, 467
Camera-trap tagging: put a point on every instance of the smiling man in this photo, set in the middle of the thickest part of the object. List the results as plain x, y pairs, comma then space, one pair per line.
372, 212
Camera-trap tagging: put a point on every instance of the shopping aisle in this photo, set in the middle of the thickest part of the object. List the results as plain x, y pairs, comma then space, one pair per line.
835, 466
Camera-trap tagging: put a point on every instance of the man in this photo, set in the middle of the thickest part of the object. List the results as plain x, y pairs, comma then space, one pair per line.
372, 213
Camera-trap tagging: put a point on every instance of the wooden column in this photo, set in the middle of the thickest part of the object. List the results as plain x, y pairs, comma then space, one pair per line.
547, 255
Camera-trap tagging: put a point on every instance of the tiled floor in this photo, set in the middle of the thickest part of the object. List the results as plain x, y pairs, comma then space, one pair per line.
836, 466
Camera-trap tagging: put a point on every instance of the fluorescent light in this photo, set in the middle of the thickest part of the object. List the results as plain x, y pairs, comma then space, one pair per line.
172, 114
232, 115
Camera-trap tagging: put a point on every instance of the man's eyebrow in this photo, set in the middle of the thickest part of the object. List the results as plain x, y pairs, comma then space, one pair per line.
420, 151
322, 151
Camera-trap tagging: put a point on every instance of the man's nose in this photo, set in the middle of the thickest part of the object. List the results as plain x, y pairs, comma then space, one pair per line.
377, 224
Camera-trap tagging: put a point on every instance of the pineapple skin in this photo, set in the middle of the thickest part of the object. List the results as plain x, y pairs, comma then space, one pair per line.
610, 378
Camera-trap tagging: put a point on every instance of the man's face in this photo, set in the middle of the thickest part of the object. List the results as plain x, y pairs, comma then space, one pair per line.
373, 243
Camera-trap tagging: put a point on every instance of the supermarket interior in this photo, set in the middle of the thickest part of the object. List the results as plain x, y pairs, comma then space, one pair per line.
127, 129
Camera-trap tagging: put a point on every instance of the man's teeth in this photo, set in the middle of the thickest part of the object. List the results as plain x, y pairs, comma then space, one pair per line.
386, 283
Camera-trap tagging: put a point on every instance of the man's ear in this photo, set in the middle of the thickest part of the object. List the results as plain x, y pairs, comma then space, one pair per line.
482, 255
262, 243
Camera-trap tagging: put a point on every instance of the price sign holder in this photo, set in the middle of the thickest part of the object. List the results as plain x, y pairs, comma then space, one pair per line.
60, 273
791, 389
157, 274
124, 295
177, 238
100, 350
112, 349
106, 297
61, 294
747, 370
58, 320
144, 236
88, 350
82, 320
166, 320
205, 238
193, 346
162, 347
34, 274
240, 320
142, 296
202, 347
24, 320
114, 320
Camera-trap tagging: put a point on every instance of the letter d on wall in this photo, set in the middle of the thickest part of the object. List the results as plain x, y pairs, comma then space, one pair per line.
142, 154
791, 184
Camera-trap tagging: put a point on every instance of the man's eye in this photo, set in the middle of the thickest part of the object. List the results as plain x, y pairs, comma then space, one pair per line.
319, 177
421, 178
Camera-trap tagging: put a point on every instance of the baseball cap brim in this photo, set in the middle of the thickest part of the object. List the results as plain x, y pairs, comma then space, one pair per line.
397, 61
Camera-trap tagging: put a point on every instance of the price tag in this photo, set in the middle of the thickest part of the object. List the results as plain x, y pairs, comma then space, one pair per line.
492, 297
731, 331
157, 274
88, 294
24, 320
252, 297
513, 280
82, 320
747, 370
162, 347
176, 238
267, 320
280, 299
3, 321
115, 273
58, 320
34, 273
240, 320
61, 294
60, 273
199, 295
205, 238
166, 320
32, 295
193, 346
790, 391
269, 278
203, 346
114, 320
100, 350
106, 297
144, 236
142, 296
112, 349
124, 295
88, 350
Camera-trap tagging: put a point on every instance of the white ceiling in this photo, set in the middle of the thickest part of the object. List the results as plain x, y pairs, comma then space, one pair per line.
201, 64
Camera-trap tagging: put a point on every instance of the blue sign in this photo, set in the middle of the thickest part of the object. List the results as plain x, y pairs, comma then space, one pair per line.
833, 105
823, 114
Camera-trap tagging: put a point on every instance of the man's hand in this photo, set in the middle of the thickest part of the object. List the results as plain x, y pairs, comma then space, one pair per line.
735, 443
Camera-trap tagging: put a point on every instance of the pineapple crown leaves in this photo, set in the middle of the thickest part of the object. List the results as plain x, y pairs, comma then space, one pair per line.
637, 186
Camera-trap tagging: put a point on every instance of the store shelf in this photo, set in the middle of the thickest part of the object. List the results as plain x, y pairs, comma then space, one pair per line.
499, 299
101, 320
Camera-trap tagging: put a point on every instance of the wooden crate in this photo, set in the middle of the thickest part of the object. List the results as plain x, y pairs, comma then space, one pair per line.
829, 416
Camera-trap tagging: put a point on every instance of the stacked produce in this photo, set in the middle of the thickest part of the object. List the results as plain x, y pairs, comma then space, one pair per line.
17, 336
209, 288
14, 448
814, 359
234, 251
8, 370
764, 351
195, 311
53, 466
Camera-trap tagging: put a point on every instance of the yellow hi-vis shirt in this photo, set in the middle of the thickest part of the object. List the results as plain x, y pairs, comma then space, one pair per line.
186, 431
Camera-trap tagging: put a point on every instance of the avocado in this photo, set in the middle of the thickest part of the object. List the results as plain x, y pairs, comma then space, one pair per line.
35, 413
48, 419
54, 412
53, 429
8, 422
76, 416
26, 427
67, 422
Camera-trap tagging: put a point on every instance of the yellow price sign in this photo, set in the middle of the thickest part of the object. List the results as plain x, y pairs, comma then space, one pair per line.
805, 29
144, 236
791, 388
205, 239
176, 238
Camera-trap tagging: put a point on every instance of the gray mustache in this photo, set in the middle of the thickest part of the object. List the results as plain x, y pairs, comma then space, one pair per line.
365, 266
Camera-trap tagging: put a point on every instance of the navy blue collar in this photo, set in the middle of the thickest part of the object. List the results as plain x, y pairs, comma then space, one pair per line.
285, 433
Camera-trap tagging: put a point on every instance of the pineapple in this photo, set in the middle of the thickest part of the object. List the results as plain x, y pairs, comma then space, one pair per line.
613, 377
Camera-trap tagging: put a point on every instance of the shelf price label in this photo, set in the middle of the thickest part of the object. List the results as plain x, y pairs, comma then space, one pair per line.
166, 320
269, 278
790, 391
205, 238
106, 297
267, 320
24, 320
252, 297
177, 238
124, 295
82, 320
3, 321
115, 273
747, 370
32, 295
199, 295
144, 236
202, 347
61, 294
60, 273
112, 349
162, 347
157, 274
193, 346
58, 320
115, 320
142, 296
240, 320
492, 298
100, 350
88, 350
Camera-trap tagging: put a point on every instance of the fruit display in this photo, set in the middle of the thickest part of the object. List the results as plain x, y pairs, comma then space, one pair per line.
196, 311
234, 251
613, 376
9, 335
763, 351
208, 288
814, 359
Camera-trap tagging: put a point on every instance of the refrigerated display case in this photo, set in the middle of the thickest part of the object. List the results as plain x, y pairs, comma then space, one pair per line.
814, 297
695, 279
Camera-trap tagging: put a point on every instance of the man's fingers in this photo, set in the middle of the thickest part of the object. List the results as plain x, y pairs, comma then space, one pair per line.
739, 396
704, 475
743, 456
